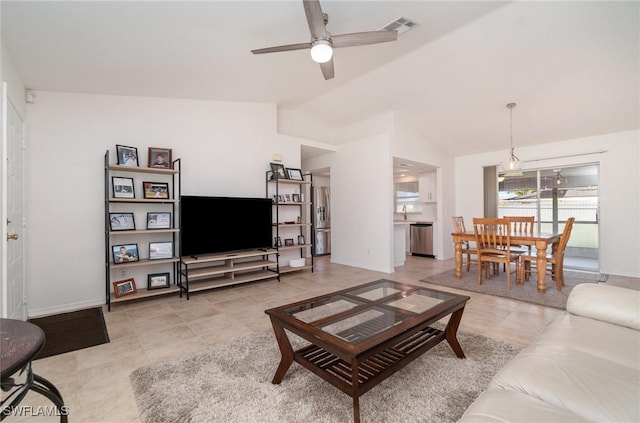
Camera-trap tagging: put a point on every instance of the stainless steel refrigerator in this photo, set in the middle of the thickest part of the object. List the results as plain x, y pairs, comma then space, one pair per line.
322, 221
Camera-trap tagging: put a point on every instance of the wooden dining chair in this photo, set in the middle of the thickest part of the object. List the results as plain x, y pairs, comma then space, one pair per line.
493, 241
555, 260
468, 249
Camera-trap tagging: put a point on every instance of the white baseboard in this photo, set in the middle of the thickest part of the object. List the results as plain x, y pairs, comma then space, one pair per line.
65, 308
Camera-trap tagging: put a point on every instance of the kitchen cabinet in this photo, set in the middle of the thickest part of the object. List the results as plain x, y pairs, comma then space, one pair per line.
427, 187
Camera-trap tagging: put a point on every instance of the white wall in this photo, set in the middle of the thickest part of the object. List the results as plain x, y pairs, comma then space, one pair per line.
409, 143
619, 189
9, 74
361, 202
225, 149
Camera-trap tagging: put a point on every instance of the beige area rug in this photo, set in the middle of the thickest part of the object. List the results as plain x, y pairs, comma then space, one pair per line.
528, 292
231, 382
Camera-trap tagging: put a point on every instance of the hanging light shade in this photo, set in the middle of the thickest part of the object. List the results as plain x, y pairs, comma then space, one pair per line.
512, 165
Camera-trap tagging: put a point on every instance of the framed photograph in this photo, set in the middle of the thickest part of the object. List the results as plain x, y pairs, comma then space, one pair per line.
158, 280
124, 287
288, 242
296, 198
127, 156
122, 222
160, 250
122, 187
295, 174
287, 198
160, 157
156, 190
300, 239
125, 253
278, 170
277, 242
159, 220
280, 198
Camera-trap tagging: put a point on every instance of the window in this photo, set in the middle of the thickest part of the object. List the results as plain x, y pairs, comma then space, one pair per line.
408, 197
552, 196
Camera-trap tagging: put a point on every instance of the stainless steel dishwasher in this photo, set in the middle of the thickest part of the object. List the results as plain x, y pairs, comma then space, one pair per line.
421, 239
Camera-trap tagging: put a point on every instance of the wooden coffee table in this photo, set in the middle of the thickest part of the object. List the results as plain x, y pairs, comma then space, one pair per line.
360, 336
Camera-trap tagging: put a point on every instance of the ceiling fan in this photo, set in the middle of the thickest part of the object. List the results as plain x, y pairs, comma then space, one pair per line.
322, 42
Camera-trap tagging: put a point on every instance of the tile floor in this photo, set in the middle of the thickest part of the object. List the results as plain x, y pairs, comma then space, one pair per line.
95, 381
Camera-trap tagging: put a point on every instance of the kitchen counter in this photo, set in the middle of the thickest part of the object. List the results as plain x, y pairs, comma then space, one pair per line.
400, 241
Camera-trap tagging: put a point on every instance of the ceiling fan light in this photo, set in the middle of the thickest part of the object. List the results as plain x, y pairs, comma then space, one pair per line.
321, 51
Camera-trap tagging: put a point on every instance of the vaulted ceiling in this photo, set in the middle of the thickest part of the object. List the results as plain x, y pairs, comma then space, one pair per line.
572, 67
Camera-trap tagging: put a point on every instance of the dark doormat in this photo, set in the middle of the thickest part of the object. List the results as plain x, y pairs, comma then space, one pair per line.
72, 331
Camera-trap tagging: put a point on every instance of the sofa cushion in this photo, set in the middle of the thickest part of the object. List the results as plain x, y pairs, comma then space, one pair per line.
618, 344
589, 386
501, 405
606, 303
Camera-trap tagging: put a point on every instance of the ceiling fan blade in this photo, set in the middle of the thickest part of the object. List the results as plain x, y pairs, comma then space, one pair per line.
362, 38
327, 69
315, 19
299, 46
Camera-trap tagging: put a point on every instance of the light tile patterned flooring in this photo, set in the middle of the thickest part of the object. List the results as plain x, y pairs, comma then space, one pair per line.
95, 381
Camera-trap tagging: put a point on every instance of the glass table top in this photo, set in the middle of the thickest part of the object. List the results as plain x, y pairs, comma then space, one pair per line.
362, 312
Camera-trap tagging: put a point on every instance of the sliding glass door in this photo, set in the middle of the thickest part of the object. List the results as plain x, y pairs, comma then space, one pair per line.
552, 196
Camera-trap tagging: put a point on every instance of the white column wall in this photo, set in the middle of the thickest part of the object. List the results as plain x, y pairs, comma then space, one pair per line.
361, 202
408, 143
225, 149
619, 189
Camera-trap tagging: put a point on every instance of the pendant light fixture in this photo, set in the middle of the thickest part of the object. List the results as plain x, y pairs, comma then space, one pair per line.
512, 165
559, 180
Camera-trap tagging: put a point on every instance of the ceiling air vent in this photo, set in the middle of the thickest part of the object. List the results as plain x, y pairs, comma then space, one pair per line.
401, 25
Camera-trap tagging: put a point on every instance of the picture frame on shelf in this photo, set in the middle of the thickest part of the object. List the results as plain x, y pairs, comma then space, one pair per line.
156, 190
295, 174
122, 222
301, 240
127, 156
277, 242
295, 198
158, 280
125, 253
159, 220
124, 287
160, 158
122, 187
278, 170
160, 250
288, 242
287, 198
280, 198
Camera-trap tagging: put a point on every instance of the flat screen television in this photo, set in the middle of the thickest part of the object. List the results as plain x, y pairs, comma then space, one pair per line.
218, 224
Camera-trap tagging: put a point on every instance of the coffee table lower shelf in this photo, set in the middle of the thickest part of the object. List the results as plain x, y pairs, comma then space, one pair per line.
371, 370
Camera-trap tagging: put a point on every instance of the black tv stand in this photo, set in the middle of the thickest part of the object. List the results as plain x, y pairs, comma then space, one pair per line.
211, 271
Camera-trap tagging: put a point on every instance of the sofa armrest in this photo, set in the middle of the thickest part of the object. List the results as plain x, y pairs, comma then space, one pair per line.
611, 304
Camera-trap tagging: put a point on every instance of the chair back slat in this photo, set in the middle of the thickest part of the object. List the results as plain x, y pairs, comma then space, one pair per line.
458, 224
566, 233
492, 234
521, 224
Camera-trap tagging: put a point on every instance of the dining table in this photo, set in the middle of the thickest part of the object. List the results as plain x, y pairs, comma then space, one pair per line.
540, 240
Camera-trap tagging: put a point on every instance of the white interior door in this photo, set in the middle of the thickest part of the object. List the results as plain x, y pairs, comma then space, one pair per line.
14, 296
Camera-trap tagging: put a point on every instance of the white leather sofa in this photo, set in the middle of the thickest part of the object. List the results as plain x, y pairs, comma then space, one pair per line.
583, 367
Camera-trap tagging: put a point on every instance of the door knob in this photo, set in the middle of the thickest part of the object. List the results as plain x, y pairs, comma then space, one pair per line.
12, 237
